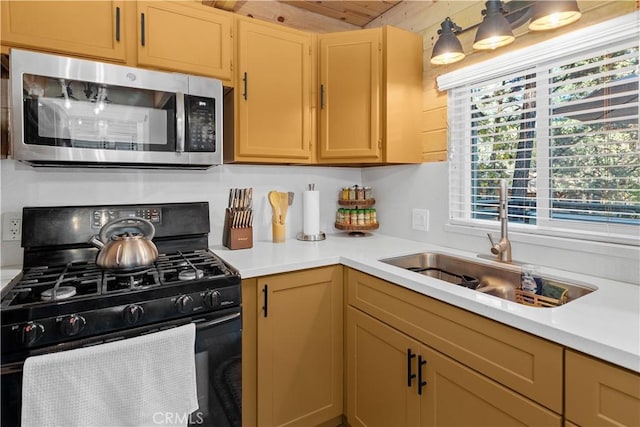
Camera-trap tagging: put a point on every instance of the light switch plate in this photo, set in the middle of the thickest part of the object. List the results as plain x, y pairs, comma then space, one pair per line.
420, 219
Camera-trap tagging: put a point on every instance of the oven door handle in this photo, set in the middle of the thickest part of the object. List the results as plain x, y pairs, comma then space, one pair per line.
217, 321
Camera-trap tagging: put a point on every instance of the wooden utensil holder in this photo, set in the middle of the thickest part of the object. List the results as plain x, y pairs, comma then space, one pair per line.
236, 238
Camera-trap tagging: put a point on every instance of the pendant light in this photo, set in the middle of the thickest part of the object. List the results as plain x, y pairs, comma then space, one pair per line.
548, 15
495, 30
448, 48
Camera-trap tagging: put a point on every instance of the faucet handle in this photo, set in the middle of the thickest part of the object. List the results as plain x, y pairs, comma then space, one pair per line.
495, 247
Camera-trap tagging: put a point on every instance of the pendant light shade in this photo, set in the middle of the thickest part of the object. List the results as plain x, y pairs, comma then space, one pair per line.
494, 31
447, 49
548, 15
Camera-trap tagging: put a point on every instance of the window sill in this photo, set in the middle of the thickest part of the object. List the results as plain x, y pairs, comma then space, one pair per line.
558, 242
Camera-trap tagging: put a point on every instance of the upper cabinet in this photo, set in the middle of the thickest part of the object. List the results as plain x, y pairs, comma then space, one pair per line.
182, 36
185, 37
273, 122
86, 28
370, 93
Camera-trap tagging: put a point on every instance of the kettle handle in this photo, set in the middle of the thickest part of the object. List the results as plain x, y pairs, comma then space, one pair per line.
145, 227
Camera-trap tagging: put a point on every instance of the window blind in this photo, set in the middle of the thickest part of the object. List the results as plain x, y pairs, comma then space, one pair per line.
563, 133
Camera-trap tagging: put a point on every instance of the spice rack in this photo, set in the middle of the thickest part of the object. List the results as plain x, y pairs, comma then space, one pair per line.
358, 217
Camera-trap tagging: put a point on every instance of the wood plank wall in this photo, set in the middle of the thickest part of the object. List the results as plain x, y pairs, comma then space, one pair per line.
425, 17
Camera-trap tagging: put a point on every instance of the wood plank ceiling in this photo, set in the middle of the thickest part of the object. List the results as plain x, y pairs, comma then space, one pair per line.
358, 13
321, 16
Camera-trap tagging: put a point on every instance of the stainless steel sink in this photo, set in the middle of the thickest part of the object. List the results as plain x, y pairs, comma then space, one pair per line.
502, 281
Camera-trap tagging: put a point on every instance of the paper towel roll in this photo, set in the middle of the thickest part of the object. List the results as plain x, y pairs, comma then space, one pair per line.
311, 212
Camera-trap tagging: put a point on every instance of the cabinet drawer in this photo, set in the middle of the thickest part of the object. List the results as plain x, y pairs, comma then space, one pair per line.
598, 393
527, 364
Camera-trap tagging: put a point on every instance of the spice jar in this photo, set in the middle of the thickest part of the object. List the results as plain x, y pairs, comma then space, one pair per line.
354, 216
352, 193
367, 193
344, 193
359, 193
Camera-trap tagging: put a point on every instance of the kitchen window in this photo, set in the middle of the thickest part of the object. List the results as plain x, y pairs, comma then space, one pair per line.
559, 121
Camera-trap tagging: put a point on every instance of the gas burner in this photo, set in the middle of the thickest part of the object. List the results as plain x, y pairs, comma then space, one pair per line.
190, 274
62, 292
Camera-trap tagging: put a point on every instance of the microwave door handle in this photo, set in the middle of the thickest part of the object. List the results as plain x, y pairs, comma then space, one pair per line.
180, 124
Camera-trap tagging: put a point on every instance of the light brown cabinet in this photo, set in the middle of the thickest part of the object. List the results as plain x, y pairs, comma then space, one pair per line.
393, 379
297, 349
598, 393
94, 29
505, 375
186, 37
182, 36
370, 96
273, 115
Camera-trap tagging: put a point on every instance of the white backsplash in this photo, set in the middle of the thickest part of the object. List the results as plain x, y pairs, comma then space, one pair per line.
23, 185
397, 189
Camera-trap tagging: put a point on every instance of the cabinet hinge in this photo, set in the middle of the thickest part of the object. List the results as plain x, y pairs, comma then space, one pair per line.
379, 46
380, 144
231, 65
309, 50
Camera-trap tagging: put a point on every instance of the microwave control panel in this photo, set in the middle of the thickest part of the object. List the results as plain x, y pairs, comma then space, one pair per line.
100, 217
201, 124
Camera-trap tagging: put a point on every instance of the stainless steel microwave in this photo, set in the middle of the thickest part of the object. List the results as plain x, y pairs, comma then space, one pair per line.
74, 112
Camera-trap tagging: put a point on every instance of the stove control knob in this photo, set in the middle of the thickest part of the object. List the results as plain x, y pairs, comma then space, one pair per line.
184, 304
212, 299
30, 333
133, 313
72, 325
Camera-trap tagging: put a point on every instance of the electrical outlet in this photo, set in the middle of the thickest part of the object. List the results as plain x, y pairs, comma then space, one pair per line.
12, 226
420, 219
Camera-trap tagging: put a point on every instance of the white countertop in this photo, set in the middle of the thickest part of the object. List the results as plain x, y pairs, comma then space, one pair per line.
604, 323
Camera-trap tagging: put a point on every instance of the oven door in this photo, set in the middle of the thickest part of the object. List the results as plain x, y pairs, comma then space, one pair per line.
219, 372
218, 350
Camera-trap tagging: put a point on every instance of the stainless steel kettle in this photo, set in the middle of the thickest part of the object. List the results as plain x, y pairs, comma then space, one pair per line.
121, 249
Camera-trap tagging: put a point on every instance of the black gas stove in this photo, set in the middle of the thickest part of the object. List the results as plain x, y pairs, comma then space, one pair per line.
63, 296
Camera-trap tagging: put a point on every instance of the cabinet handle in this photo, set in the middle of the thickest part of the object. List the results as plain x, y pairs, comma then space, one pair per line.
322, 97
245, 81
265, 290
410, 374
421, 383
117, 24
142, 28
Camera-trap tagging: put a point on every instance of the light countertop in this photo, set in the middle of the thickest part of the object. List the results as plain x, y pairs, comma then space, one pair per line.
604, 323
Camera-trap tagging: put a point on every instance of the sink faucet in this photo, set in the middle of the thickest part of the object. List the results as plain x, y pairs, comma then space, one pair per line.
503, 248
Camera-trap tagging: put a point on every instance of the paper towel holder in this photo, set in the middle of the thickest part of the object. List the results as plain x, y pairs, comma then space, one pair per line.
311, 237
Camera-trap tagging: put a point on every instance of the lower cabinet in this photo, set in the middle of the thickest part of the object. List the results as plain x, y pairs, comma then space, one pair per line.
394, 380
600, 394
298, 349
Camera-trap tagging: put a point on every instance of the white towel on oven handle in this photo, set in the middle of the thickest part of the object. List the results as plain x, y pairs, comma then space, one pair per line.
142, 381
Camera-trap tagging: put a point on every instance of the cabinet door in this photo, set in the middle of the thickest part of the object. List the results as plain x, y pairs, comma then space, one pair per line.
379, 390
350, 96
273, 94
597, 393
186, 37
85, 28
300, 347
455, 395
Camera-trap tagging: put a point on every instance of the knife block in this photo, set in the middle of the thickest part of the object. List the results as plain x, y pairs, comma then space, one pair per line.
236, 238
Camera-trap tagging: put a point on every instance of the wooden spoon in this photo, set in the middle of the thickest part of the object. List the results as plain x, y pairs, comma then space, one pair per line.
274, 200
284, 206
